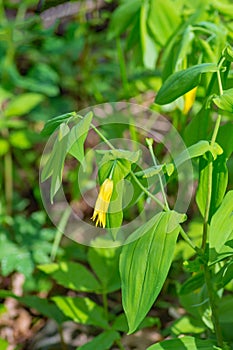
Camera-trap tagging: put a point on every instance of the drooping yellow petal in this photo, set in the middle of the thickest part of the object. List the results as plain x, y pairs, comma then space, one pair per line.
102, 203
189, 99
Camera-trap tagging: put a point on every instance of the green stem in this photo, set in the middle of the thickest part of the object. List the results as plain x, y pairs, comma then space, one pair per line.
207, 207
213, 305
102, 137
63, 344
210, 167
119, 344
59, 233
20, 13
149, 194
122, 64
2, 13
8, 169
216, 128
131, 172
149, 143
207, 274
188, 240
98, 133
105, 305
219, 82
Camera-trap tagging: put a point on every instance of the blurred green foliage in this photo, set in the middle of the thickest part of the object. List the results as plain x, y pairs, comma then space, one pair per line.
51, 66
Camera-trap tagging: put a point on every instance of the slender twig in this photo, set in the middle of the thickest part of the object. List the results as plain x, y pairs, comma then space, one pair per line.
122, 65
208, 280
105, 304
149, 143
102, 137
188, 240
8, 169
119, 344
147, 192
213, 305
59, 232
63, 343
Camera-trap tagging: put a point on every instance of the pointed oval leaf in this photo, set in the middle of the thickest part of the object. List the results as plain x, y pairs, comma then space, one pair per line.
105, 264
184, 343
82, 310
144, 265
23, 104
77, 137
196, 150
122, 17
225, 101
52, 124
72, 275
103, 341
221, 231
181, 82
219, 183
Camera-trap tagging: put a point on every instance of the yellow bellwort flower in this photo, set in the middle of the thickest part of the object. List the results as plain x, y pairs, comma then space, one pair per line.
189, 99
102, 203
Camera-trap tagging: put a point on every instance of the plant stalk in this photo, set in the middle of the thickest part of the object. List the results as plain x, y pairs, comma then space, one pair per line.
207, 274
105, 304
149, 143
122, 64
213, 305
148, 192
188, 240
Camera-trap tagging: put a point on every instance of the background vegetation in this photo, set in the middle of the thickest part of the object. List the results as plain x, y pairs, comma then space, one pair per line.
58, 57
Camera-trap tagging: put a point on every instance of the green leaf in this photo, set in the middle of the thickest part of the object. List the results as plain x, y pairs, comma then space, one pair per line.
4, 95
115, 154
219, 183
77, 137
52, 124
224, 8
55, 163
149, 50
103, 341
72, 276
221, 231
184, 343
187, 325
163, 19
155, 170
14, 258
150, 172
120, 323
142, 282
82, 310
196, 131
19, 139
4, 147
67, 140
3, 344
23, 104
228, 53
193, 283
122, 17
225, 138
105, 264
196, 150
44, 307
225, 101
183, 81
224, 275
225, 309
